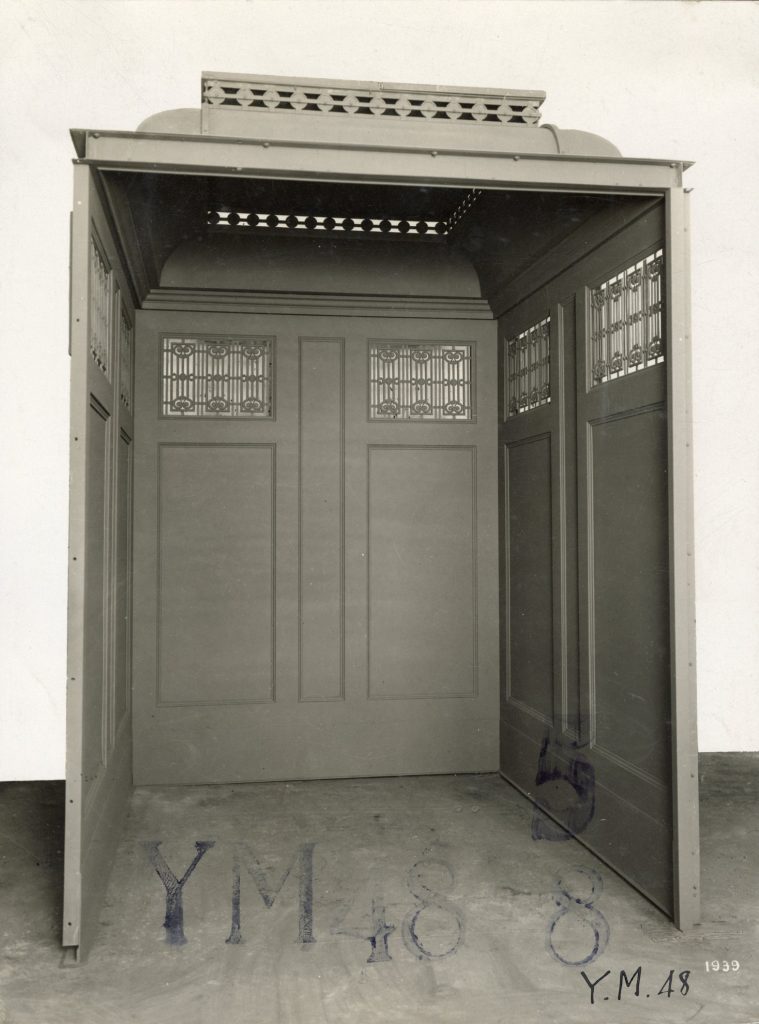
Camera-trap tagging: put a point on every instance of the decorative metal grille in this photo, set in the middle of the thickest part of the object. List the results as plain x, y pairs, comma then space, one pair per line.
626, 321
420, 382
223, 217
398, 103
101, 308
302, 222
528, 368
217, 377
126, 347
464, 207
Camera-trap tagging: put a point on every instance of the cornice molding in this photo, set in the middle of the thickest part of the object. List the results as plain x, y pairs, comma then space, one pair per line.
214, 300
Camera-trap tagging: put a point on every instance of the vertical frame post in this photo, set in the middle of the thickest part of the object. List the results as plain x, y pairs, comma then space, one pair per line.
79, 319
685, 814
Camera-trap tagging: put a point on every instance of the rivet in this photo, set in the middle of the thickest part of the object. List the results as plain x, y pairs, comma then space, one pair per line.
266, 145
517, 157
96, 135
433, 153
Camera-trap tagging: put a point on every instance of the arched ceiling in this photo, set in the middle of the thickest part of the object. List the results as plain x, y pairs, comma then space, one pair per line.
497, 233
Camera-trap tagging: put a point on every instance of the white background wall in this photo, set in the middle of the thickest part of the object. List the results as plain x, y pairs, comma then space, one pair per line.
659, 79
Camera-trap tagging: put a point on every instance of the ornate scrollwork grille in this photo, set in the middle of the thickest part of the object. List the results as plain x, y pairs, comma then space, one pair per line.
528, 368
626, 321
420, 382
126, 347
217, 377
101, 308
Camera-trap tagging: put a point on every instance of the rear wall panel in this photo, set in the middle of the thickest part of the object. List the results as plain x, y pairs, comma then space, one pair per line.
216, 593
422, 572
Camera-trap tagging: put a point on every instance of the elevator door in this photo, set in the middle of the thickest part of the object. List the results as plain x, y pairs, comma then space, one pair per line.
587, 726
315, 547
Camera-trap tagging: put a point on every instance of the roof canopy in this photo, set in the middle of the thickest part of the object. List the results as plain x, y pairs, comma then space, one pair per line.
319, 111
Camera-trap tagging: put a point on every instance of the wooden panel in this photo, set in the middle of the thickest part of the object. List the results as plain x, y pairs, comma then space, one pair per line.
529, 574
613, 580
623, 538
321, 533
98, 754
123, 603
216, 573
422, 571
629, 609
96, 594
564, 444
536, 551
294, 737
618, 831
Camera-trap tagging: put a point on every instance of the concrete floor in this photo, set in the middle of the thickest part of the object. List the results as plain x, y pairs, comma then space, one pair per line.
421, 899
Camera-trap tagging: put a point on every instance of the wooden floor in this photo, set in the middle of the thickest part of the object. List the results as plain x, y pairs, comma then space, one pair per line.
392, 900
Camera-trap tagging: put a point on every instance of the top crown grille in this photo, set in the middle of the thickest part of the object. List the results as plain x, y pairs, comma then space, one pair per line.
493, 109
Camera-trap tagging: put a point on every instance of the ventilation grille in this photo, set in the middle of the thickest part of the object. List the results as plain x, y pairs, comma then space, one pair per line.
420, 382
126, 349
464, 207
328, 225
216, 377
101, 308
528, 368
225, 217
411, 104
626, 321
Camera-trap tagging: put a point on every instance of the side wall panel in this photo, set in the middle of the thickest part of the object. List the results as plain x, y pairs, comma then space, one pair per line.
608, 584
98, 721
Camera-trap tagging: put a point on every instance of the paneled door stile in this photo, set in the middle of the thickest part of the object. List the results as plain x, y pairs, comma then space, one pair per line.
98, 758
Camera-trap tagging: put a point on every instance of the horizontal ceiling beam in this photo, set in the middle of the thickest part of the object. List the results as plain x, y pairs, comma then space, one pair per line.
394, 165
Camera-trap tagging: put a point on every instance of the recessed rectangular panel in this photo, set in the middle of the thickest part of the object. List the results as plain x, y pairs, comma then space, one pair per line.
422, 572
321, 511
630, 589
95, 607
122, 623
216, 573
530, 570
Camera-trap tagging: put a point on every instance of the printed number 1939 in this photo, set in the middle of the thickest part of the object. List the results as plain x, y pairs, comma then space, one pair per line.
722, 965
